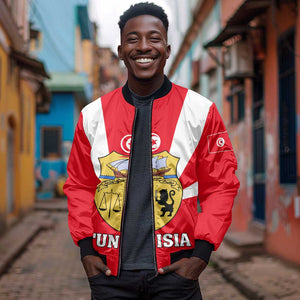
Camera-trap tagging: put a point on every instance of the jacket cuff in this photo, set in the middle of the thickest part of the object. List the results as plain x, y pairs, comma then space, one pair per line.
86, 247
203, 250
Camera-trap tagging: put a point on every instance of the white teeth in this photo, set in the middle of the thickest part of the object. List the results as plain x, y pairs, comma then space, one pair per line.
144, 60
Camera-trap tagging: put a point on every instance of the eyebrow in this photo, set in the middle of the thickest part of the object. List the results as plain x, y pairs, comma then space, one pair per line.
151, 32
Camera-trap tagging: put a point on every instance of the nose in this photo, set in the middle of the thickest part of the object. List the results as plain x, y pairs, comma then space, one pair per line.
143, 45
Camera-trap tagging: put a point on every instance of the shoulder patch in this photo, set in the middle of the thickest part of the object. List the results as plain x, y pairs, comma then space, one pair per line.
219, 142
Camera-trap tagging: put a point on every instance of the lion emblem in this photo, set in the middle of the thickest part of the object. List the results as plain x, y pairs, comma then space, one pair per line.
163, 199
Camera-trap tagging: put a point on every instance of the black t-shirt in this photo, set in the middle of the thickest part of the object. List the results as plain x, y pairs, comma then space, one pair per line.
138, 236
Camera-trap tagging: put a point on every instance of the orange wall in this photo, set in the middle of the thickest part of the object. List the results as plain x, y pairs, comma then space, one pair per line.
242, 144
283, 230
228, 7
239, 135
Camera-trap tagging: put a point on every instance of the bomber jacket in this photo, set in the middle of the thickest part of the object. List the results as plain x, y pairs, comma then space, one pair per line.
192, 161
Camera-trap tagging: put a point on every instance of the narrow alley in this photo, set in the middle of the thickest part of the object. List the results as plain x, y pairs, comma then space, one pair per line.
50, 268
227, 73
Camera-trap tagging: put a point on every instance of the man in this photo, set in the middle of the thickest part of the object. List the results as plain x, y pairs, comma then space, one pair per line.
142, 155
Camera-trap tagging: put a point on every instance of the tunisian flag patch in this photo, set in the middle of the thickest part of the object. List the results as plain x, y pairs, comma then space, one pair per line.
219, 142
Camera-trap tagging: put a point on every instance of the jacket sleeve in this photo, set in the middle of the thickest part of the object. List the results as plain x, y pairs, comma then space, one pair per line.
218, 185
80, 186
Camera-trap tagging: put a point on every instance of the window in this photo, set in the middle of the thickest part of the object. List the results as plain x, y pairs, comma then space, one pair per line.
287, 108
212, 85
12, 72
195, 75
237, 103
51, 139
241, 105
36, 38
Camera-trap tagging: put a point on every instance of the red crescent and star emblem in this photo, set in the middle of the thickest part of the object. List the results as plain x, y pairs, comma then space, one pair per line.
126, 142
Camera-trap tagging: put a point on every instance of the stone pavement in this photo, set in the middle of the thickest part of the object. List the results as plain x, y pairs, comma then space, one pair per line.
258, 276
215, 287
49, 266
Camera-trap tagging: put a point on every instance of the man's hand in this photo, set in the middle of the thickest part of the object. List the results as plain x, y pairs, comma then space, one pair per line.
94, 265
190, 268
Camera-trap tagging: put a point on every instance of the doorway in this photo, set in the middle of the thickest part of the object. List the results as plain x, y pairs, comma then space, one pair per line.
10, 170
259, 176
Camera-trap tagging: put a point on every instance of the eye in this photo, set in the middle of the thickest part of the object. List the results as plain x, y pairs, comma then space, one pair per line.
131, 39
155, 38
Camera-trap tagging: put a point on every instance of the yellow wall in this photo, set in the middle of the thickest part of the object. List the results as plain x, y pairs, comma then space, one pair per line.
27, 189
21, 117
3, 80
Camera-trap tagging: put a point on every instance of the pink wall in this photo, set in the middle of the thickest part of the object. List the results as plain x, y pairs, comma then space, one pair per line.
239, 135
283, 230
228, 7
241, 138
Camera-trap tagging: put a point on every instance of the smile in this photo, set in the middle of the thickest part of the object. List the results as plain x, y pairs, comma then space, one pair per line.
144, 60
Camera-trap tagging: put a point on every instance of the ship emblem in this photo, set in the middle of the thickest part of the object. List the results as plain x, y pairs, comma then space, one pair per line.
167, 189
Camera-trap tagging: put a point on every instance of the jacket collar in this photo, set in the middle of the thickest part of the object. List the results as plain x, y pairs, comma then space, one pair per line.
161, 92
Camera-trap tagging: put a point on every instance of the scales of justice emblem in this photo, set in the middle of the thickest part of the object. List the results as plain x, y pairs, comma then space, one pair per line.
109, 197
110, 193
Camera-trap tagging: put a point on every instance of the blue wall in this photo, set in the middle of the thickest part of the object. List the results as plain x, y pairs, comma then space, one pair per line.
56, 19
61, 115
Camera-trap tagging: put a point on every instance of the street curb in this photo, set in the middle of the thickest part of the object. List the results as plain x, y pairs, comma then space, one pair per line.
246, 287
15, 240
58, 205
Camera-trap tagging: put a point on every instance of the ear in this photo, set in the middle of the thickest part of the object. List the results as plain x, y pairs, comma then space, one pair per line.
168, 51
120, 52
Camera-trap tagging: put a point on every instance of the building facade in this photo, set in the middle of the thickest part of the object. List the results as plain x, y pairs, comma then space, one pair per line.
22, 89
65, 42
249, 64
109, 73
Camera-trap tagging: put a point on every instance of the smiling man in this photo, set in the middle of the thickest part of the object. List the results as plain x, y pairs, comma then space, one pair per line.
144, 49
142, 157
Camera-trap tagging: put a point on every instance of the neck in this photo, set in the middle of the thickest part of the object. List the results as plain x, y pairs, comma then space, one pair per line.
145, 87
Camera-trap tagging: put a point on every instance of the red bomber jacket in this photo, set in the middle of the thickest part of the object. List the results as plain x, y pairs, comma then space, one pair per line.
192, 159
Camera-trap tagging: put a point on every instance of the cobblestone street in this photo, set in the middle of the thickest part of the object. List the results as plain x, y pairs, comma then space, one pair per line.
50, 268
215, 287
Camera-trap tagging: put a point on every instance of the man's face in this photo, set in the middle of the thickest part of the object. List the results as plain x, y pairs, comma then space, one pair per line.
144, 48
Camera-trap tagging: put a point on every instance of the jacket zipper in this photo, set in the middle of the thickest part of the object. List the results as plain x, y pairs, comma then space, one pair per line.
125, 193
151, 193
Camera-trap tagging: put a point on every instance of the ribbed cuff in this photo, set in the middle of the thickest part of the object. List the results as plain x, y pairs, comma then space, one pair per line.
86, 247
203, 250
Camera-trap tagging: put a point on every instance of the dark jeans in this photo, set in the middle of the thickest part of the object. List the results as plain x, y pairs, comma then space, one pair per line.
144, 285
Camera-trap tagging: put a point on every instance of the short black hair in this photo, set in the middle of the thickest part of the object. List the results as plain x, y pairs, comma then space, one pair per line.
144, 8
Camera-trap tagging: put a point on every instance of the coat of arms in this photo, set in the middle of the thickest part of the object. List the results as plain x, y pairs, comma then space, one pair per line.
109, 197
110, 193
167, 189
